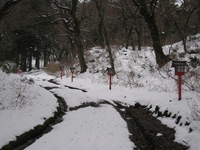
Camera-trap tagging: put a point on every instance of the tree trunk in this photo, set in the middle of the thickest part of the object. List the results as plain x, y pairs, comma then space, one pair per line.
30, 60
182, 35
18, 58
109, 50
132, 43
72, 48
101, 22
198, 24
139, 38
37, 62
73, 26
79, 44
100, 9
80, 53
128, 37
45, 58
77, 37
8, 7
149, 17
161, 59
100, 33
23, 61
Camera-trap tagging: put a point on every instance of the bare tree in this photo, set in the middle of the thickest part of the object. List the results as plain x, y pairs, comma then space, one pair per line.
7, 7
181, 20
73, 25
99, 4
23, 31
132, 22
147, 10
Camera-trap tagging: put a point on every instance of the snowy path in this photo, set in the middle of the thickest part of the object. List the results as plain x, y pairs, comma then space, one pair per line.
88, 128
102, 127
84, 128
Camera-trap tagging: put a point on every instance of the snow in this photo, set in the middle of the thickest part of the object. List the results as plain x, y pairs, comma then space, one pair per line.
88, 128
159, 134
101, 127
165, 100
19, 114
179, 2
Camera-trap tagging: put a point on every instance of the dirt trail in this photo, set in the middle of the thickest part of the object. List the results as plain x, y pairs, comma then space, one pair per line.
147, 132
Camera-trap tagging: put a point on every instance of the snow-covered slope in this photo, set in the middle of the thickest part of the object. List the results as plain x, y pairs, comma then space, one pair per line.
138, 79
23, 105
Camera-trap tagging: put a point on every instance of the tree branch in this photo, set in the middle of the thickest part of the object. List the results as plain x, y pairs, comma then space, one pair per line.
61, 7
153, 6
8, 7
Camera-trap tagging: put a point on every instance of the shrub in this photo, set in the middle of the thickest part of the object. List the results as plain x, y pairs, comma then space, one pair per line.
195, 111
8, 67
194, 61
53, 69
191, 81
182, 55
21, 93
151, 68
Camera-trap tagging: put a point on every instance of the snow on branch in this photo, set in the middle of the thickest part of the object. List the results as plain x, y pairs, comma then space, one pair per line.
60, 19
61, 7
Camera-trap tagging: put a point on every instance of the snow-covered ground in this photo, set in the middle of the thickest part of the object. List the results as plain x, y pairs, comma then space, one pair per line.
23, 105
137, 80
88, 129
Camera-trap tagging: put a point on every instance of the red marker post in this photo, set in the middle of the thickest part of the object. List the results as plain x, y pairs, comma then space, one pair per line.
179, 70
72, 71
110, 73
61, 71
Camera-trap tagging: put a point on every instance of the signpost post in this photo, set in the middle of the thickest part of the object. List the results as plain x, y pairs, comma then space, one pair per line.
72, 71
61, 71
179, 70
110, 73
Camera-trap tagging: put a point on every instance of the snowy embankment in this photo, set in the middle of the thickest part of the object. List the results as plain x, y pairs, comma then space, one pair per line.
138, 79
23, 105
165, 101
88, 128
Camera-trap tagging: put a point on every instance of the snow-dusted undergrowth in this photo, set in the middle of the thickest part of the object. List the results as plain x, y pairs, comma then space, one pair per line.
24, 105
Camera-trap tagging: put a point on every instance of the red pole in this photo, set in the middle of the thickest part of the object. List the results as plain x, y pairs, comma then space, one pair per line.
179, 87
110, 82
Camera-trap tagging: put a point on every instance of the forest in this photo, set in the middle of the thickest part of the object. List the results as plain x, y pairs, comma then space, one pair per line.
63, 30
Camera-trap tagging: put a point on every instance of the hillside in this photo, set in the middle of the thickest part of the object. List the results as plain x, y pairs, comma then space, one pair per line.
139, 69
137, 80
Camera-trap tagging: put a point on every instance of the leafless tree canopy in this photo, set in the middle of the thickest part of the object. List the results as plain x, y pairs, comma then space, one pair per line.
60, 30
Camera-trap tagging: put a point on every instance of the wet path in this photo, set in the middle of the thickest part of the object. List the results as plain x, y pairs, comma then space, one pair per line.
147, 132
